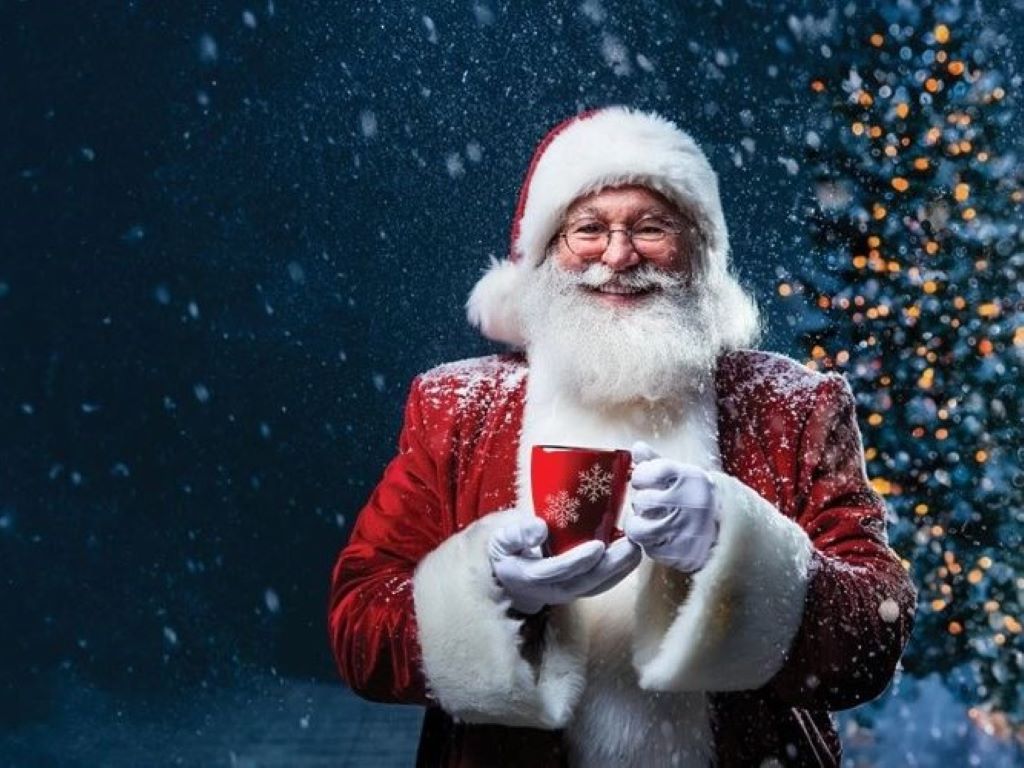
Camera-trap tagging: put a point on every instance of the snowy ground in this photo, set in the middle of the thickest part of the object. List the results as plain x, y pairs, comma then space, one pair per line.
274, 723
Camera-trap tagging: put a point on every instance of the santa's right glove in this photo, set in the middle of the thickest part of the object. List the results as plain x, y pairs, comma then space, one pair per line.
533, 581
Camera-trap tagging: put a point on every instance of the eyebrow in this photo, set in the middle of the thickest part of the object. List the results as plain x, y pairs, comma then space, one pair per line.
589, 210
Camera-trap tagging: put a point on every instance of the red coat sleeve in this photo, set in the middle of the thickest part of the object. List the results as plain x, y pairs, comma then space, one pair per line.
371, 617
860, 602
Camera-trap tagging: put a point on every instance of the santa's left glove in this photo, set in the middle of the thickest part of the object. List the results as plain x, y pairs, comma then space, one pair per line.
674, 517
533, 581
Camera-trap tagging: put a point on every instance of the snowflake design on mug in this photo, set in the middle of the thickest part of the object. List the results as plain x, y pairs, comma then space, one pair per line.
595, 483
561, 509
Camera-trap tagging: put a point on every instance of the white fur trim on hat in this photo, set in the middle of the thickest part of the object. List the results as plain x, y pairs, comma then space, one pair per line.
492, 305
616, 146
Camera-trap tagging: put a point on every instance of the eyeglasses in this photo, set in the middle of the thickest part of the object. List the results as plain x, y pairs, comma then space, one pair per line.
649, 237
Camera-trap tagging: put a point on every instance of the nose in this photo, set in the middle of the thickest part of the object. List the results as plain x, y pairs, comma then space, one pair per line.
620, 253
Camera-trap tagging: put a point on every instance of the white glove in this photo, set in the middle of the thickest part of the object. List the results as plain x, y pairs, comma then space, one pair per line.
533, 581
674, 517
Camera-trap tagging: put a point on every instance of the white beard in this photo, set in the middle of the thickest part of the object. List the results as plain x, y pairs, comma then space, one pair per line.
609, 356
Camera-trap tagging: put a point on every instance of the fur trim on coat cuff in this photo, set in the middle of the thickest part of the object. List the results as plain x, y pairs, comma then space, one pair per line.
471, 646
729, 626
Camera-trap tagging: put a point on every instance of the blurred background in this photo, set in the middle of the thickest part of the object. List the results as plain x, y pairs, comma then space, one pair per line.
233, 232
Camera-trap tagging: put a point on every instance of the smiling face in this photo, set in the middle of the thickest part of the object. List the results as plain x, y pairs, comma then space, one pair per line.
622, 320
662, 240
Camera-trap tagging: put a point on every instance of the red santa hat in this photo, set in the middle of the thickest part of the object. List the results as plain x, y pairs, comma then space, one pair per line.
593, 150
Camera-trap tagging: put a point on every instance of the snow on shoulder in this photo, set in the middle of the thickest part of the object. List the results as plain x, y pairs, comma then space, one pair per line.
776, 373
473, 382
771, 378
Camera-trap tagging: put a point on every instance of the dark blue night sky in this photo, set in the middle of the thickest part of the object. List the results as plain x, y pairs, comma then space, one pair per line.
233, 232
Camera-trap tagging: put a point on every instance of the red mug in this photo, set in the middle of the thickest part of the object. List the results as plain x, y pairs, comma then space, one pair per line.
578, 492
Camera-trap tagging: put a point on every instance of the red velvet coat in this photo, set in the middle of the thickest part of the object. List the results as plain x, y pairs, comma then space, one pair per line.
787, 433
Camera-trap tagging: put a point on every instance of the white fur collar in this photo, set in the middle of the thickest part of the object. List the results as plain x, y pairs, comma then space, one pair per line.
617, 723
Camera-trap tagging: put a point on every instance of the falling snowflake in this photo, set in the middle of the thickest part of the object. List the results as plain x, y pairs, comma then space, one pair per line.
595, 483
561, 509
889, 610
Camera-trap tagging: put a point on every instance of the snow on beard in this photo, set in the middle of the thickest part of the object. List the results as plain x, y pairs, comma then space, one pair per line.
605, 355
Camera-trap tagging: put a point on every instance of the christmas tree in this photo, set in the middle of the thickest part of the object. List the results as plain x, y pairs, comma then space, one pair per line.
916, 296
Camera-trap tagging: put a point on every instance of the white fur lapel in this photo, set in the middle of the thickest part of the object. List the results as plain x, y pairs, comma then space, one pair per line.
617, 723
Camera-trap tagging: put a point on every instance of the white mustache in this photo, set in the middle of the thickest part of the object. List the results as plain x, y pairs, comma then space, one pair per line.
641, 278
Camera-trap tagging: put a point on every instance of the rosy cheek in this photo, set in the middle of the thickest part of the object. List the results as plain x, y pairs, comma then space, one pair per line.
569, 261
675, 260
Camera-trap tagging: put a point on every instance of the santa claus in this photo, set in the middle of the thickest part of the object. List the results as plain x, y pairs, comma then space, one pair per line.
754, 590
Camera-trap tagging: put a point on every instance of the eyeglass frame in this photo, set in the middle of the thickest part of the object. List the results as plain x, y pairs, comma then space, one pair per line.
677, 229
